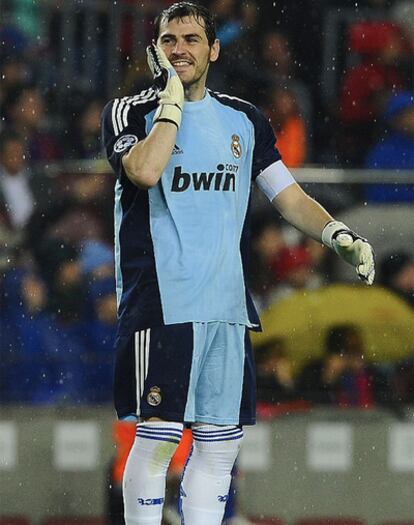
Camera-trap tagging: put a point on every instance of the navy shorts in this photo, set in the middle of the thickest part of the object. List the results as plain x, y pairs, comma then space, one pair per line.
189, 372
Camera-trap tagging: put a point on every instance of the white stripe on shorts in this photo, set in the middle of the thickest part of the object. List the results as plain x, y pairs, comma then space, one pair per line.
142, 345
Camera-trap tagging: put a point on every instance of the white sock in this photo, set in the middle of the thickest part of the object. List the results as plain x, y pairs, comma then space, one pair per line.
207, 475
146, 469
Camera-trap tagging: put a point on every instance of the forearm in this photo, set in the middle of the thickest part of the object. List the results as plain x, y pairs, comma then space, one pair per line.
146, 161
311, 218
302, 211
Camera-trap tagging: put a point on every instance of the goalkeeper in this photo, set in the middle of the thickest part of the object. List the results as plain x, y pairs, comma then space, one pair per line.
185, 158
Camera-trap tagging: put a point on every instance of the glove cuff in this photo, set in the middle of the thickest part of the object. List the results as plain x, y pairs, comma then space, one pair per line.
168, 113
332, 229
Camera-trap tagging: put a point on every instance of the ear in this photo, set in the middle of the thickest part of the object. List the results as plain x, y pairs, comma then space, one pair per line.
215, 50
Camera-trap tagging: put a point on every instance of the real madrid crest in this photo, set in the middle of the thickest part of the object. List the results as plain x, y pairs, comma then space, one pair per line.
236, 146
154, 397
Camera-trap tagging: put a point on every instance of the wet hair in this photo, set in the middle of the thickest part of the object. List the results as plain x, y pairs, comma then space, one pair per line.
183, 9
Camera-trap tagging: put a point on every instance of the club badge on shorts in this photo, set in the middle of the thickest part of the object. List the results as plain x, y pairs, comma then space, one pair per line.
154, 397
236, 146
125, 142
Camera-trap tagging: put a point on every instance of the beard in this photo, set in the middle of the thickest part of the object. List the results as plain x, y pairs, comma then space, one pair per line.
197, 77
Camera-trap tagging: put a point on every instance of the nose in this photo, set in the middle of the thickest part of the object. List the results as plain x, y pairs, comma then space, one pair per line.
179, 48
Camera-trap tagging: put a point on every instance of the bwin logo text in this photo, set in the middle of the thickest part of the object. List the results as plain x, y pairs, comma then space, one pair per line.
215, 181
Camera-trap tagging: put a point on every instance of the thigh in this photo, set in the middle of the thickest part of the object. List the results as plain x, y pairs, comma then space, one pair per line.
152, 372
223, 379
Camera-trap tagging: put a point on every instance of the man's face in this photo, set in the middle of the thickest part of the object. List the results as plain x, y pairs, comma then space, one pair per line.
30, 108
185, 43
13, 157
404, 122
404, 280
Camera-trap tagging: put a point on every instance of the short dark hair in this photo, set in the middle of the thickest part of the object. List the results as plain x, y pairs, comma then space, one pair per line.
338, 336
392, 264
183, 9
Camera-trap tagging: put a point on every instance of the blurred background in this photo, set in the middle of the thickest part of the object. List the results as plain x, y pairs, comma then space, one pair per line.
335, 438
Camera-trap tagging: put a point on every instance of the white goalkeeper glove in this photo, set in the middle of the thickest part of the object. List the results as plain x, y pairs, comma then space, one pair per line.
171, 96
352, 248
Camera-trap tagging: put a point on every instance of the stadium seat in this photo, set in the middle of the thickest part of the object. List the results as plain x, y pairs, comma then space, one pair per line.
330, 521
74, 520
14, 520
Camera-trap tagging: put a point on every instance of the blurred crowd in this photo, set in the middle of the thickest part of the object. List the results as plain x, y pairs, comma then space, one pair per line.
336, 82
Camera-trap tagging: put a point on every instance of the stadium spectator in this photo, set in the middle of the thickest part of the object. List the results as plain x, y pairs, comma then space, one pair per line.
402, 381
17, 185
97, 266
25, 112
278, 70
80, 211
16, 194
320, 259
14, 71
97, 261
267, 242
395, 150
66, 304
342, 377
289, 126
300, 22
84, 135
294, 270
397, 274
61, 270
99, 359
237, 31
228, 20
275, 381
31, 343
383, 50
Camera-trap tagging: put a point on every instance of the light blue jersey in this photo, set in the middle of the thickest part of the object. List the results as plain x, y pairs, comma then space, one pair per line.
181, 243
197, 214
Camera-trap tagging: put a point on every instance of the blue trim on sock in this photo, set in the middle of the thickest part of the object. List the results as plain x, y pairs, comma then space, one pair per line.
206, 440
231, 429
170, 440
142, 432
216, 434
157, 428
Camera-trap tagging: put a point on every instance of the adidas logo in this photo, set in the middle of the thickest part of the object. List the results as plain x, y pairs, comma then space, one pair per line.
177, 150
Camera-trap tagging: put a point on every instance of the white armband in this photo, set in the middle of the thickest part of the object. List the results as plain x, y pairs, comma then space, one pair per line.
274, 179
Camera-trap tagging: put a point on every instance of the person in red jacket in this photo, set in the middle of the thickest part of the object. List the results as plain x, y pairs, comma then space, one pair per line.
383, 49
